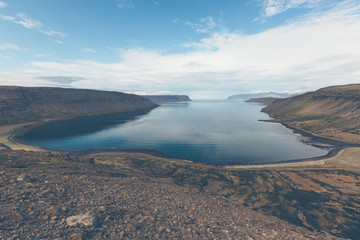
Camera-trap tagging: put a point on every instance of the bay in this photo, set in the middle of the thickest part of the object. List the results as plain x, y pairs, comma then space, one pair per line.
215, 132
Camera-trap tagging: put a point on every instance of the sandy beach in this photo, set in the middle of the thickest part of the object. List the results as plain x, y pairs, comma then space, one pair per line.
8, 132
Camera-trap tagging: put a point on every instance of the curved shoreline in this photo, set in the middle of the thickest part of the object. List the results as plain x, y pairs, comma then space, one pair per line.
8, 134
294, 163
339, 147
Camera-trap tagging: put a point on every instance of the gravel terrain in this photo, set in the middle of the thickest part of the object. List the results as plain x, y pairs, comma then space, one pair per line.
65, 202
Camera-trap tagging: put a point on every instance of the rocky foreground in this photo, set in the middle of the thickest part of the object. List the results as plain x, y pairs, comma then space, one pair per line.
56, 196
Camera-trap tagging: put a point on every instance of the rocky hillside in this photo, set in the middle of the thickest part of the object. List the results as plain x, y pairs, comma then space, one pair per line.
21, 104
110, 196
168, 98
331, 112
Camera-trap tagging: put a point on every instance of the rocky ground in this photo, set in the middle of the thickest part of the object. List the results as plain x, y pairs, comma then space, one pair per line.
61, 199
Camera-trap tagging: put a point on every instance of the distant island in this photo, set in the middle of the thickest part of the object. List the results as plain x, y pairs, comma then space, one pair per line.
258, 95
158, 99
25, 104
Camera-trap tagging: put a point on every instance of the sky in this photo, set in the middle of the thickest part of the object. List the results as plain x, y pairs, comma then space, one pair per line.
207, 49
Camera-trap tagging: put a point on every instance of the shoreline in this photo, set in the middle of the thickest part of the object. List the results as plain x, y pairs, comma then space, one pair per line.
313, 136
8, 134
317, 161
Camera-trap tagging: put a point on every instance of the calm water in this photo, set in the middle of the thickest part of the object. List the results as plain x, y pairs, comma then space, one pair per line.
217, 132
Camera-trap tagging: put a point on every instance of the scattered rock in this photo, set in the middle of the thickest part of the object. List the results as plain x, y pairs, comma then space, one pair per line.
247, 237
77, 236
24, 178
86, 219
53, 211
116, 207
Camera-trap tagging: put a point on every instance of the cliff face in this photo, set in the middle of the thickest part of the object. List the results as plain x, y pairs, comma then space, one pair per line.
332, 112
167, 98
20, 104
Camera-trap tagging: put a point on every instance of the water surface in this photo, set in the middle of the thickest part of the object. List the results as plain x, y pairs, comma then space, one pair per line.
216, 132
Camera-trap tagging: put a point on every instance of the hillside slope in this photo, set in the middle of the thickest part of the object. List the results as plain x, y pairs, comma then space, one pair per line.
331, 112
21, 104
136, 196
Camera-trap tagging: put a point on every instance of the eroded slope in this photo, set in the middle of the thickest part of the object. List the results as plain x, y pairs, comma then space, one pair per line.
331, 112
22, 104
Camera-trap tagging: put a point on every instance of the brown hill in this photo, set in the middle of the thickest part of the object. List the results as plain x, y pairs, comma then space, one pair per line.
21, 104
330, 112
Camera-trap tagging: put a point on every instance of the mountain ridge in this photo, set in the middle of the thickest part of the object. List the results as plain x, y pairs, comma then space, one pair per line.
23, 104
248, 96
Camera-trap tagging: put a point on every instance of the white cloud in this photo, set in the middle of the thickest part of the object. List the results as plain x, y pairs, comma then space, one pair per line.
53, 33
3, 4
273, 7
59, 42
9, 47
124, 3
205, 25
314, 51
24, 20
88, 50
214, 42
27, 22
41, 55
7, 50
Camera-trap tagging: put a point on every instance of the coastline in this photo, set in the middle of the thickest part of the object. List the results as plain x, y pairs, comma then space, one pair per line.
313, 136
319, 161
9, 132
336, 153
8, 140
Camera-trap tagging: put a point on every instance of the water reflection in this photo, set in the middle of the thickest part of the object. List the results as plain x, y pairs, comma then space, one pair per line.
82, 125
218, 132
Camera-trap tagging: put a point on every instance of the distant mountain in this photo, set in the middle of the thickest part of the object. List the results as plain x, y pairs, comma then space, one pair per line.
258, 95
22, 104
167, 98
263, 100
330, 112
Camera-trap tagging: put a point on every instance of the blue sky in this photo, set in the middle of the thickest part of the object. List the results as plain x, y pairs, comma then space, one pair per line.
203, 48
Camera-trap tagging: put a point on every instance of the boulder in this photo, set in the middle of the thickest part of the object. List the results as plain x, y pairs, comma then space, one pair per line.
86, 219
24, 178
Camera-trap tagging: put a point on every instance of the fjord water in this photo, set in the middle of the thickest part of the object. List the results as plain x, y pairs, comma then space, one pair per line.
216, 132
